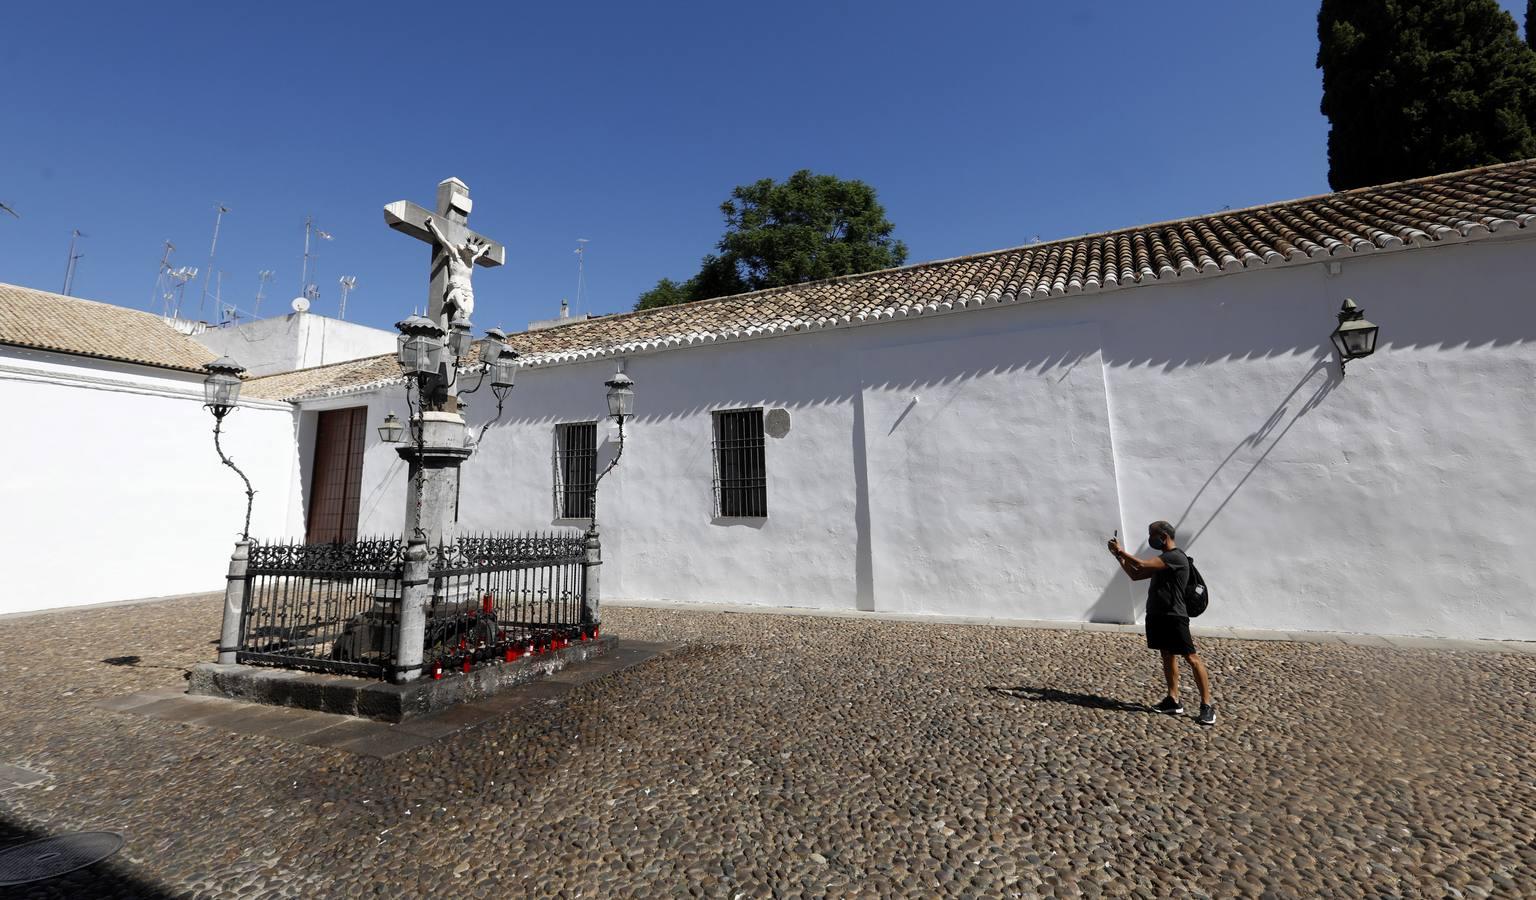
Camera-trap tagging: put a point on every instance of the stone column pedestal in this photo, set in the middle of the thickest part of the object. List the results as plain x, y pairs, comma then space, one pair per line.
591, 566
432, 491
234, 603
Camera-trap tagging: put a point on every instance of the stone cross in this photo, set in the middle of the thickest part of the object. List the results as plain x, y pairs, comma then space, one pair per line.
446, 230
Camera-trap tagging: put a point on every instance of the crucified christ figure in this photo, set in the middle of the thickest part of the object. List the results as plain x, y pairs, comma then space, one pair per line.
459, 298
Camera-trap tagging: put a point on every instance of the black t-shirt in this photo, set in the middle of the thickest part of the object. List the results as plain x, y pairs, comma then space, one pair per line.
1165, 595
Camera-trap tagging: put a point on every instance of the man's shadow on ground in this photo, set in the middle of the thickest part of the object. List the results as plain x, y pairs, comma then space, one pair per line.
1092, 701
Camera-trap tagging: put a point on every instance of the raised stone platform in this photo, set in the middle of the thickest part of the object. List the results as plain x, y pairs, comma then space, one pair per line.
353, 696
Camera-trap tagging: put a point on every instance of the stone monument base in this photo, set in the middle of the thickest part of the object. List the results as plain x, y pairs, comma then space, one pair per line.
381, 700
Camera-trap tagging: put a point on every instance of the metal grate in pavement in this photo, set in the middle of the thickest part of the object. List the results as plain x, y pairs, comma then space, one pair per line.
51, 857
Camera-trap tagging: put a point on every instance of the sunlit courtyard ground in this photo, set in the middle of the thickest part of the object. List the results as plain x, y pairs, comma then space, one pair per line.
791, 756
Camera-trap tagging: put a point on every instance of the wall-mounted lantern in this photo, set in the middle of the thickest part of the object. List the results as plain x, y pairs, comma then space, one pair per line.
621, 400
391, 430
621, 406
1355, 338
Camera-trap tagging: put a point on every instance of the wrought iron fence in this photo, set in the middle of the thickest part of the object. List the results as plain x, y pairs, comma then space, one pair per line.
336, 607
327, 607
501, 597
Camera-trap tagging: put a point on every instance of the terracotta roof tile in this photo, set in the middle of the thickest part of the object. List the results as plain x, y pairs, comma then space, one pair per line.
1427, 211
47, 321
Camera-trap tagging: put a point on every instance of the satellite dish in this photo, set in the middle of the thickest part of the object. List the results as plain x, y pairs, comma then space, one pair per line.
300, 304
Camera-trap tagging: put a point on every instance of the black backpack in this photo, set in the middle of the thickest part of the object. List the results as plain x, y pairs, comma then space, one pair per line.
1196, 599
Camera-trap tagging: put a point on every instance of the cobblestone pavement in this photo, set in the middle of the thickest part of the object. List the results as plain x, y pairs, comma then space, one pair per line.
796, 756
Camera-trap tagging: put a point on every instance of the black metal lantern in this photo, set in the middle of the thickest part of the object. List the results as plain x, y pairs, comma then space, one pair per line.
420, 346
504, 368
221, 389
460, 338
621, 397
391, 430
492, 346
1355, 338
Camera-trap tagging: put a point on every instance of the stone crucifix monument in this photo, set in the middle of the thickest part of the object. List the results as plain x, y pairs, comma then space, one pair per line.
435, 456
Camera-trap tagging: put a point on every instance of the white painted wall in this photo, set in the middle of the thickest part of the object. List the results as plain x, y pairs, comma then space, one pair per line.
112, 487
296, 341
1393, 501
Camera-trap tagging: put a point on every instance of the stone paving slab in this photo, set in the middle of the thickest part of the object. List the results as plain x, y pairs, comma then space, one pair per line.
363, 736
12, 777
799, 756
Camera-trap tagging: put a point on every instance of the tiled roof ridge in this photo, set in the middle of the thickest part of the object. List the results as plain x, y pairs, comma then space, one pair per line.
1433, 210
39, 319
1046, 245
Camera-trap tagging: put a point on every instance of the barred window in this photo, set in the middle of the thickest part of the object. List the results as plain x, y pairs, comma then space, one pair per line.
741, 474
575, 469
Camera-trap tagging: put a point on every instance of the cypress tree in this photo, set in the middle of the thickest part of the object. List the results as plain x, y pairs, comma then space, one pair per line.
1418, 87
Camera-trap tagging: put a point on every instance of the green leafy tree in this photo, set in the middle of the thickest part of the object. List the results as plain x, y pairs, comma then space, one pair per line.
1417, 87
807, 228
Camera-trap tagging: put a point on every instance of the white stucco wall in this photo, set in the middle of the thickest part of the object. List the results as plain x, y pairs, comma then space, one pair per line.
112, 487
296, 341
1392, 501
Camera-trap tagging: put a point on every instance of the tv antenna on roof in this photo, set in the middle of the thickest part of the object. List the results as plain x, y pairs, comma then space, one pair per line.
217, 220
160, 293
181, 276
69, 270
581, 270
348, 282
262, 277
308, 289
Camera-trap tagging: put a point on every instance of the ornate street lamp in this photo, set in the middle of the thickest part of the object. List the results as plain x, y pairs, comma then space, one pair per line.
499, 361
621, 406
1355, 338
391, 430
221, 391
621, 400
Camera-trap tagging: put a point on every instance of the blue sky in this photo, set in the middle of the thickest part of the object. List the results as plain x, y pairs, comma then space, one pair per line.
981, 125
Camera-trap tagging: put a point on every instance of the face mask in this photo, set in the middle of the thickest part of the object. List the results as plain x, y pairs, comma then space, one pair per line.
1158, 543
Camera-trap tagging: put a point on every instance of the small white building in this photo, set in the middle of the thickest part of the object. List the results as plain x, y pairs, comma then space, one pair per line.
298, 340
110, 483
962, 436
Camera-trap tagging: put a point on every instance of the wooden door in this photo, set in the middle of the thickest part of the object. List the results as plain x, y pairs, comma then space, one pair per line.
336, 494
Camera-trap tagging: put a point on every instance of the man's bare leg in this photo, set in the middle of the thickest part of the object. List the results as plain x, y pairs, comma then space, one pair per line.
1202, 677
1171, 673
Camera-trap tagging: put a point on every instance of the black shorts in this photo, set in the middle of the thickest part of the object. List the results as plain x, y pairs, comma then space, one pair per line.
1170, 633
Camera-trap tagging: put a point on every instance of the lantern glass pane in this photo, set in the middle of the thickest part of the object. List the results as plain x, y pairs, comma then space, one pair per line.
459, 341
503, 373
221, 390
418, 355
621, 402
1356, 342
490, 350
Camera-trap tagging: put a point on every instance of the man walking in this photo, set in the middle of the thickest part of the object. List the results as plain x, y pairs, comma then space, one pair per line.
1167, 617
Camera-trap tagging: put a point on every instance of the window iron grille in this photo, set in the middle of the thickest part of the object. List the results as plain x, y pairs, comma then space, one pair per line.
575, 469
741, 474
